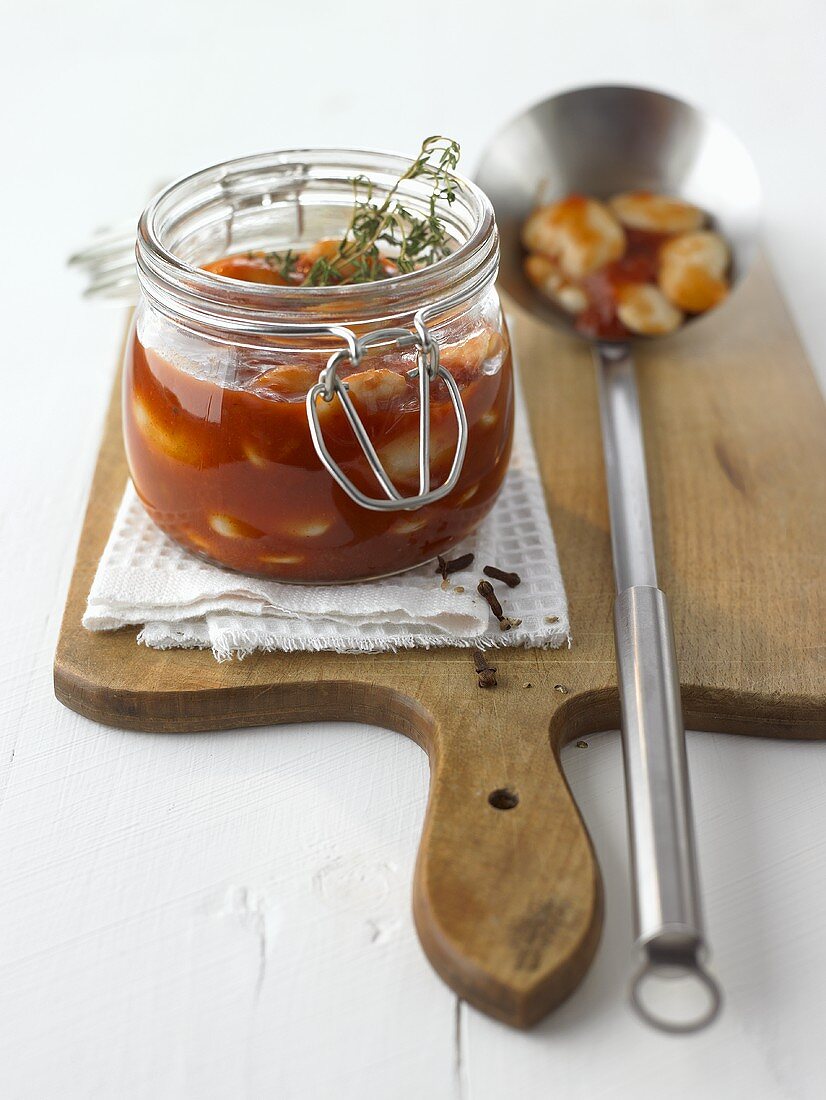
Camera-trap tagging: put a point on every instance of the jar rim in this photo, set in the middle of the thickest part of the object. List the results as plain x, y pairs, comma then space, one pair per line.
193, 295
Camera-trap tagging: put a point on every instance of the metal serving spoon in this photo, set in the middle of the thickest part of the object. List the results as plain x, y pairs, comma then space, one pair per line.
599, 141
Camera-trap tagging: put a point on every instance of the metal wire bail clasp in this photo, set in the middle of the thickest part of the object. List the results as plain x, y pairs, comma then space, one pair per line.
428, 370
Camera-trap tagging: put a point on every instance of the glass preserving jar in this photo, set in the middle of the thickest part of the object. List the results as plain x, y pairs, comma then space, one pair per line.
229, 454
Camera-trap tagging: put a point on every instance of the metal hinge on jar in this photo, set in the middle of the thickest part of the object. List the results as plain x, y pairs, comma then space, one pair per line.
428, 370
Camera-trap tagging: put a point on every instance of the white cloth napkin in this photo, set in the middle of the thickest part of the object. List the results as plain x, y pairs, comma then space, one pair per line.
180, 601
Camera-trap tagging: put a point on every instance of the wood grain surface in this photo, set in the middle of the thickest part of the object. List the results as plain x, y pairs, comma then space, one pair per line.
508, 902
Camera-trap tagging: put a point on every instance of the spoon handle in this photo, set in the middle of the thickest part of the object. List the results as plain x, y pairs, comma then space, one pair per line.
669, 924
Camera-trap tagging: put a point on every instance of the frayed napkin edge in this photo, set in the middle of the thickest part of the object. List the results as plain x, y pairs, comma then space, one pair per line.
237, 645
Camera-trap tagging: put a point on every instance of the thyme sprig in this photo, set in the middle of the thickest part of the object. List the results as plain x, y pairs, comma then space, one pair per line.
412, 241
283, 262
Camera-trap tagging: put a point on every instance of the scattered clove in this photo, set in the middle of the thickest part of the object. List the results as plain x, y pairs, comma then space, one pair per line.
445, 567
510, 579
485, 590
561, 689
485, 672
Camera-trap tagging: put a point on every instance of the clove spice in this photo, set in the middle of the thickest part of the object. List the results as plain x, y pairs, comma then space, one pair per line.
485, 590
510, 579
445, 567
485, 672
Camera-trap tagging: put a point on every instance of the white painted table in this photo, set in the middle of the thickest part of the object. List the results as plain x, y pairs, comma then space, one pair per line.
227, 915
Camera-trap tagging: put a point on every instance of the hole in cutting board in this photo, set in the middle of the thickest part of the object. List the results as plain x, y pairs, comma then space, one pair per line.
503, 799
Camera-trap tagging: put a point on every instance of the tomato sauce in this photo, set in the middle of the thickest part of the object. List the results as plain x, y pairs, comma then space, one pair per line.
639, 264
228, 467
289, 269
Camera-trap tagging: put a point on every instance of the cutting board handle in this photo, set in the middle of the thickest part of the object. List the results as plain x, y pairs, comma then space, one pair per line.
507, 895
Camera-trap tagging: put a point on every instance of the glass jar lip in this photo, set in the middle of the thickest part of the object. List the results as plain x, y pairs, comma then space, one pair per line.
168, 278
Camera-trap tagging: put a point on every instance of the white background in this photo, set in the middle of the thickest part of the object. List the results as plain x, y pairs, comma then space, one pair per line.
227, 915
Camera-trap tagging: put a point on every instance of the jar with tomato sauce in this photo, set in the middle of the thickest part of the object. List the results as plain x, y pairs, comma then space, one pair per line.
217, 419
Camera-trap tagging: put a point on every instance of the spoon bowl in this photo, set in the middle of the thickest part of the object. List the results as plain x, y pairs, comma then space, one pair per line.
601, 140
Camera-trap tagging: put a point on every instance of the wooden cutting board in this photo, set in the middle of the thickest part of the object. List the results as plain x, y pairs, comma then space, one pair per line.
508, 902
